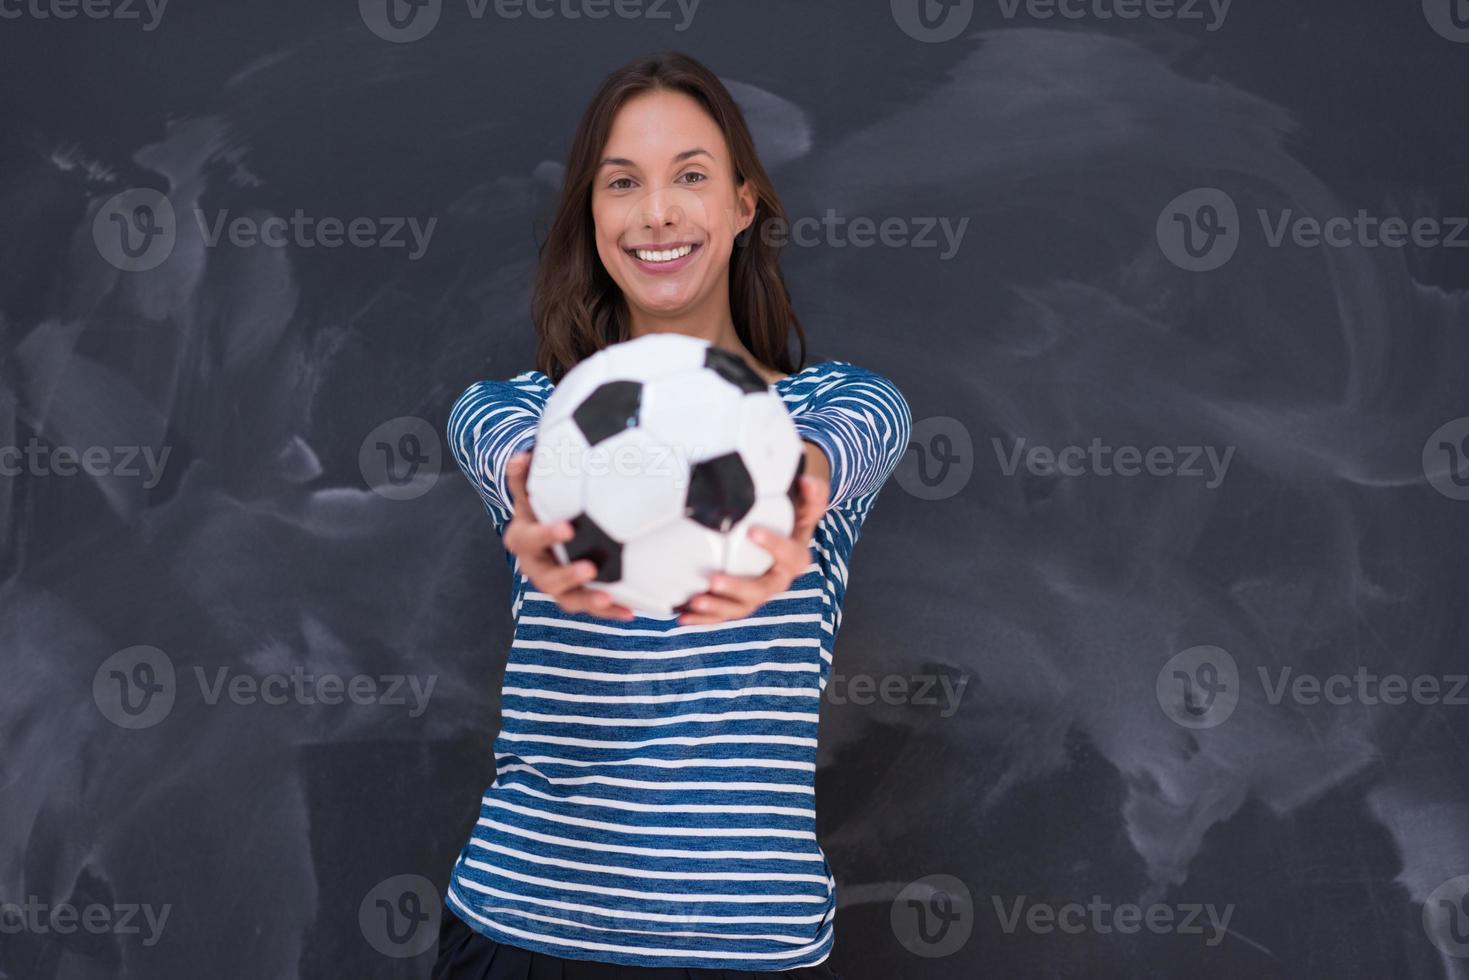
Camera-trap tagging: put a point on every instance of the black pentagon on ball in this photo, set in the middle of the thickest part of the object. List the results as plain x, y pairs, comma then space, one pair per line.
594, 544
720, 492
732, 368
608, 410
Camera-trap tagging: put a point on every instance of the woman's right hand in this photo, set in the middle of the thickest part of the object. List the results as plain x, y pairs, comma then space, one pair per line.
530, 542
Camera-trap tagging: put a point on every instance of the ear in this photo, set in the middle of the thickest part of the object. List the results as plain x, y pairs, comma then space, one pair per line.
746, 202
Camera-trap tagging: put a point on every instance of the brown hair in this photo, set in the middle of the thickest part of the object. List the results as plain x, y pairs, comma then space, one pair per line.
577, 307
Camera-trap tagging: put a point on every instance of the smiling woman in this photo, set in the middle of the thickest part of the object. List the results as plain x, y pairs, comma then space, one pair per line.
661, 181
653, 812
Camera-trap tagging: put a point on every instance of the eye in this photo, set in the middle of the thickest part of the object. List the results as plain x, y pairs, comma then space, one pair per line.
619, 180
694, 173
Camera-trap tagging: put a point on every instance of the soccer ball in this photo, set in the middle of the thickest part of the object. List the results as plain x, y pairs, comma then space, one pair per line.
662, 452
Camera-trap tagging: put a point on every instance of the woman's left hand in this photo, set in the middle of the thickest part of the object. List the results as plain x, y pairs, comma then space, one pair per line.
737, 596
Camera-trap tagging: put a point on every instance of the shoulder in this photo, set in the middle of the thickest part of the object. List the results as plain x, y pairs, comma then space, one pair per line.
834, 370
529, 388
855, 386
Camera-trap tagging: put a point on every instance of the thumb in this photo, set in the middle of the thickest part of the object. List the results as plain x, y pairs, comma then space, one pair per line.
814, 496
516, 469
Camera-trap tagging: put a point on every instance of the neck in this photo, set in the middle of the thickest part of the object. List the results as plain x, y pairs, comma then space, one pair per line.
717, 327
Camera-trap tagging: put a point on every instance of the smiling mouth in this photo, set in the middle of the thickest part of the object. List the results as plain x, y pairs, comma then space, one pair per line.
659, 255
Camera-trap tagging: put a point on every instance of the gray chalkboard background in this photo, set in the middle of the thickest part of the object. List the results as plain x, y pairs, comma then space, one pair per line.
1153, 652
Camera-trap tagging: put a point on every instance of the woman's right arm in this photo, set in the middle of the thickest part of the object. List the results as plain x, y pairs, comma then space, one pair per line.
490, 422
491, 427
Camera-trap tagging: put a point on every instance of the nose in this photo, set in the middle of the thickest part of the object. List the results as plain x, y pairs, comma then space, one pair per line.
663, 208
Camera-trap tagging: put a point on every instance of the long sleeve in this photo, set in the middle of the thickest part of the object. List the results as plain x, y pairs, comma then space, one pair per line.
862, 422
490, 422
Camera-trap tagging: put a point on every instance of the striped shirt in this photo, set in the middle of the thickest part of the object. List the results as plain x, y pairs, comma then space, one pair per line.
654, 797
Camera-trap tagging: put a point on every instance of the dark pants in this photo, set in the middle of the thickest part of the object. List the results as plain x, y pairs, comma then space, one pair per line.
465, 954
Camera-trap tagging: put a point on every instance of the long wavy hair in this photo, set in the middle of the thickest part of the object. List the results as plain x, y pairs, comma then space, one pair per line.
578, 309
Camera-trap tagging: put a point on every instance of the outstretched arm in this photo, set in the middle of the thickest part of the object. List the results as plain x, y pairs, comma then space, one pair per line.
860, 423
854, 429
490, 422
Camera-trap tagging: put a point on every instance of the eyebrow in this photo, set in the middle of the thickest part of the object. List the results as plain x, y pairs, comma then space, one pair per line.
624, 162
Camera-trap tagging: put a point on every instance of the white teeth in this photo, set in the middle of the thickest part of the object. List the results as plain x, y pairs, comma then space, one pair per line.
648, 255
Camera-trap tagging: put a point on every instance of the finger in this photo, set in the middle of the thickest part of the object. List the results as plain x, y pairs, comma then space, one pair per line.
707, 608
535, 562
815, 495
595, 602
531, 536
517, 467
565, 578
790, 551
741, 588
531, 542
788, 556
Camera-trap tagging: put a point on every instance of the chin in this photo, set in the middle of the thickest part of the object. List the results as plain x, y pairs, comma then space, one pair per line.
663, 306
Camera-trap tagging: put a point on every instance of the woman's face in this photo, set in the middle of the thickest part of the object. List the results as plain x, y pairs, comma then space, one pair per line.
666, 206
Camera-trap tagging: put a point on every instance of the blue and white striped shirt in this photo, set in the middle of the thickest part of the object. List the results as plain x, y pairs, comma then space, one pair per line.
654, 798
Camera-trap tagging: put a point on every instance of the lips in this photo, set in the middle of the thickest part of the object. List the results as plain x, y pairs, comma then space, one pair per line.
662, 248
663, 257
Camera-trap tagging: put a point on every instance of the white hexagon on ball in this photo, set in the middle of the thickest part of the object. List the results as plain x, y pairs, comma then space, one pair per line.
654, 356
640, 604
675, 562
634, 482
554, 483
768, 442
696, 412
746, 557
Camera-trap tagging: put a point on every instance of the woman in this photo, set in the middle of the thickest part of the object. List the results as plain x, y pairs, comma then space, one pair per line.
672, 836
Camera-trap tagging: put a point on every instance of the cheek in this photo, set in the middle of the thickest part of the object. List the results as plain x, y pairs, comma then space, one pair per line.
609, 216
720, 244
728, 230
607, 232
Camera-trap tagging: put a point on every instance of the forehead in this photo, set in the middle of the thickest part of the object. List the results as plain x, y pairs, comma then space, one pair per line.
652, 127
